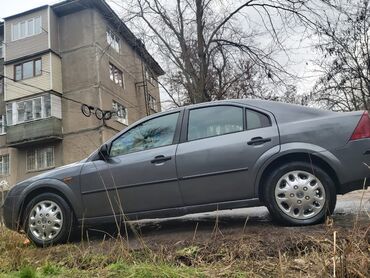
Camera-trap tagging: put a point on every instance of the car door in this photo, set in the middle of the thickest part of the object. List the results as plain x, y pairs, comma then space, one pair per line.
218, 151
139, 174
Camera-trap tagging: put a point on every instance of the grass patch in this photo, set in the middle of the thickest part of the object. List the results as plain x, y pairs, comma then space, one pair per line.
264, 251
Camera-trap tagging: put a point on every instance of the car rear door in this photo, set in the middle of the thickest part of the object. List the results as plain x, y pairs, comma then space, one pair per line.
140, 173
219, 147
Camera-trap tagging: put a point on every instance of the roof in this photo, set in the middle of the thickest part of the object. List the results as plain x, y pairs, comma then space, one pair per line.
25, 12
71, 6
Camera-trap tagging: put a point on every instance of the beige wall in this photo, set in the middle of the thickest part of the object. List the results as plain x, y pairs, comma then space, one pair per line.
77, 146
30, 45
50, 79
12, 178
21, 158
54, 31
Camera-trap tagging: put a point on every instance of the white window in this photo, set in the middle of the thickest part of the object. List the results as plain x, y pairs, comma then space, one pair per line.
28, 110
1, 49
1, 85
2, 125
116, 75
26, 28
4, 165
152, 103
121, 112
149, 76
40, 159
113, 40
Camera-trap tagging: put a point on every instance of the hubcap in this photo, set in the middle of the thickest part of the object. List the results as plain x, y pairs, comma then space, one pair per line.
45, 220
300, 194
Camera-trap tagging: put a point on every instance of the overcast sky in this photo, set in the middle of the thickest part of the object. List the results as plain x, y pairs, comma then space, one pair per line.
302, 56
17, 6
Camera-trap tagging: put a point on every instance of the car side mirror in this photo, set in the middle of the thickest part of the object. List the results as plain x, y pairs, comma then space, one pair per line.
104, 152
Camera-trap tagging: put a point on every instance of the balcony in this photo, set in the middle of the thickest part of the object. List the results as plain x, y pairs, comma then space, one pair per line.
39, 131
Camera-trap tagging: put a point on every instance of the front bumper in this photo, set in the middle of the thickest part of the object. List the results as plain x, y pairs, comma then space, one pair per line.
11, 212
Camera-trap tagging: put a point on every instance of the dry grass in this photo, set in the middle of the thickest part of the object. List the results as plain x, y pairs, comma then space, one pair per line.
267, 252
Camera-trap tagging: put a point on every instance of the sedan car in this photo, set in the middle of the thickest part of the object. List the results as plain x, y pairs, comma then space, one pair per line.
211, 156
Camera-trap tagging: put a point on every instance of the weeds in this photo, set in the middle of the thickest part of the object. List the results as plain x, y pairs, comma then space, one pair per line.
259, 250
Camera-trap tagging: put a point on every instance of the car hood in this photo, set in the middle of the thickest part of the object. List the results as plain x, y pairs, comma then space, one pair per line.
69, 170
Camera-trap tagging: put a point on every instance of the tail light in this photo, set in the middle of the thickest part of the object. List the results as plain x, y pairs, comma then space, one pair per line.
362, 129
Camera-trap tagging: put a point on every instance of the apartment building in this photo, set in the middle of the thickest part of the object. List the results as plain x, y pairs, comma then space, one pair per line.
52, 59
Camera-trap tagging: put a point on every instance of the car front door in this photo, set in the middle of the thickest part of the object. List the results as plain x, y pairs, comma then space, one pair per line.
139, 173
219, 149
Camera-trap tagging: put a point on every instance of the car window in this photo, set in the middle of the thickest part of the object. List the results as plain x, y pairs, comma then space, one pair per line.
257, 120
151, 134
214, 121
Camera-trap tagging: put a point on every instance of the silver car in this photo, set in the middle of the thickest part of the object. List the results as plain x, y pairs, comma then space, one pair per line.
217, 155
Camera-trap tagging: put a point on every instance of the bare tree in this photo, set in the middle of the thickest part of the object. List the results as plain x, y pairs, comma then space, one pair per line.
344, 41
219, 49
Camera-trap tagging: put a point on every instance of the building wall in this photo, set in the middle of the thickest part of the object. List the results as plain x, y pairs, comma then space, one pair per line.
30, 45
50, 79
54, 31
21, 160
75, 63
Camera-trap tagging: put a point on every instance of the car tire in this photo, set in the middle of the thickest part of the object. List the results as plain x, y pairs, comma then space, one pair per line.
48, 220
299, 193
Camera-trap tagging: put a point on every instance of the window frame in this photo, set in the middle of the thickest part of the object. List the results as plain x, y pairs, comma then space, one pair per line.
152, 101
176, 137
2, 84
36, 153
257, 111
22, 70
184, 134
2, 165
3, 125
111, 65
27, 34
117, 118
111, 35
11, 108
185, 125
2, 48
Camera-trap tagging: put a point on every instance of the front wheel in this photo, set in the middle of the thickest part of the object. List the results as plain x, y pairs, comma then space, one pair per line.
299, 193
48, 220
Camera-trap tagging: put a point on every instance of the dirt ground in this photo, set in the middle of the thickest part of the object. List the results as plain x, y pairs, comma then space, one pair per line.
232, 243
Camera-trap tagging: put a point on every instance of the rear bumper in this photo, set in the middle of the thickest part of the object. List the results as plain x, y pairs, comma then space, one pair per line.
354, 160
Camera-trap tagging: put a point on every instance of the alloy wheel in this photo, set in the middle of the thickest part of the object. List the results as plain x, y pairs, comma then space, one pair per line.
300, 194
45, 220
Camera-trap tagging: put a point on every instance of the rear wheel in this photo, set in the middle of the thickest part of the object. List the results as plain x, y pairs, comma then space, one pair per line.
48, 220
299, 193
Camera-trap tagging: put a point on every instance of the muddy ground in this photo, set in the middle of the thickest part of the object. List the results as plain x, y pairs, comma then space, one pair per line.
351, 208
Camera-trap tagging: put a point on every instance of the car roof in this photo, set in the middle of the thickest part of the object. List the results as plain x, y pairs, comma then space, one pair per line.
284, 112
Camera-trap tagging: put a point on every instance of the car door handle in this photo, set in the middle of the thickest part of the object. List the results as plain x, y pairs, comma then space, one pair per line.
258, 141
160, 159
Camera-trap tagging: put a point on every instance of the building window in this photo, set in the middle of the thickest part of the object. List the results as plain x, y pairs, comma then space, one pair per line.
40, 159
121, 112
26, 28
4, 165
1, 49
27, 69
149, 77
28, 110
113, 40
2, 125
1, 85
152, 103
116, 75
